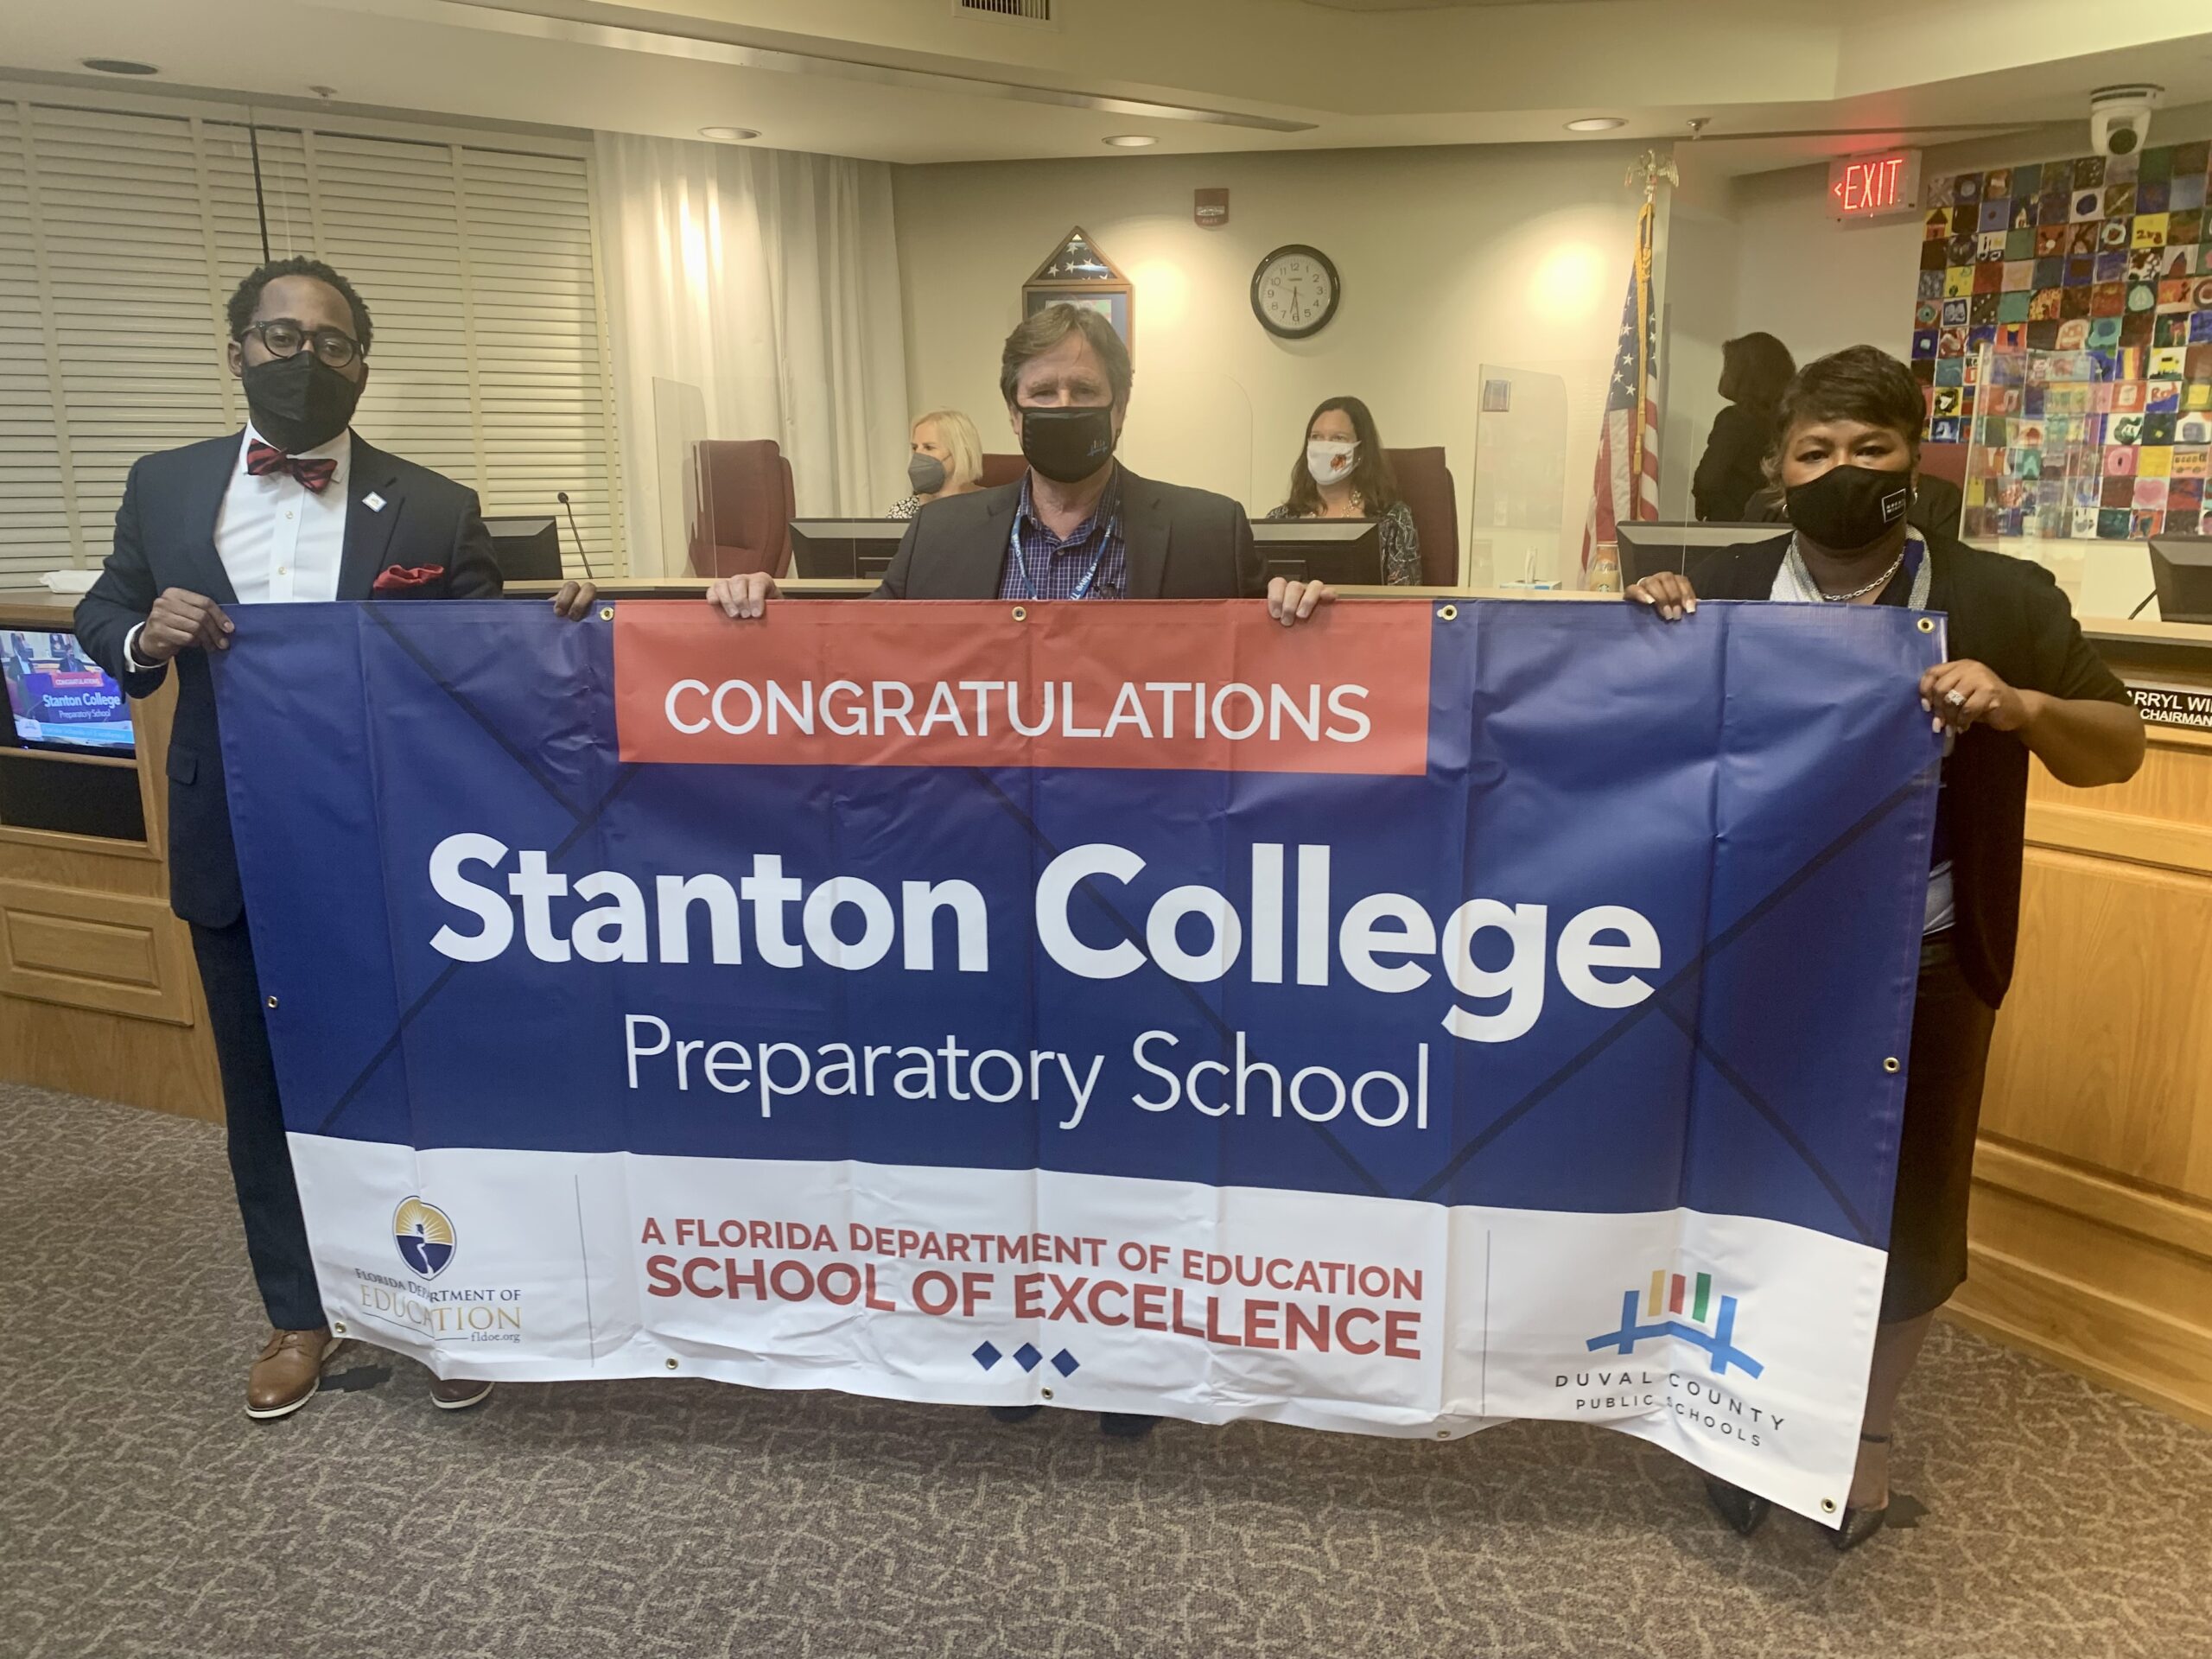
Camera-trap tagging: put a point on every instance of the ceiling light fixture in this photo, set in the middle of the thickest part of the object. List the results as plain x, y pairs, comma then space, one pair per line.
1596, 124
730, 135
118, 66
1133, 140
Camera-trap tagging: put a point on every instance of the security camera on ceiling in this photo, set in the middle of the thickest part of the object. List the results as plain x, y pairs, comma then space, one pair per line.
2119, 117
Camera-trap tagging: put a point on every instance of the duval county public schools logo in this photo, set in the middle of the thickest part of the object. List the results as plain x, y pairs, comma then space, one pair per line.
1674, 1307
424, 1237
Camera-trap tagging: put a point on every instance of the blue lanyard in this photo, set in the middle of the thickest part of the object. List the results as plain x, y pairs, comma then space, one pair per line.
1083, 588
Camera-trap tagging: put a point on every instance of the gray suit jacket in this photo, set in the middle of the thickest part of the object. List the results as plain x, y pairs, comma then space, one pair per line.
1183, 543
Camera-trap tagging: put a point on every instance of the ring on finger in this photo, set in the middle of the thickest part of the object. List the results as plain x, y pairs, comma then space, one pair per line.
1956, 699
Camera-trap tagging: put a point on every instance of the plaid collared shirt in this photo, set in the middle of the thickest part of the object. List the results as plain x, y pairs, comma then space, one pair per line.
1056, 568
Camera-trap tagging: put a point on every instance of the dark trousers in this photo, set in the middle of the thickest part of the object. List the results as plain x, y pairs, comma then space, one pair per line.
261, 1160
1951, 1028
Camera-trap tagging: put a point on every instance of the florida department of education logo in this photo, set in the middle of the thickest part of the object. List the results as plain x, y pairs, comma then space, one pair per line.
424, 1236
1674, 1307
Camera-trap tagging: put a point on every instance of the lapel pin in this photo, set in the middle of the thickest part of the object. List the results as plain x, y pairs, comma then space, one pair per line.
374, 502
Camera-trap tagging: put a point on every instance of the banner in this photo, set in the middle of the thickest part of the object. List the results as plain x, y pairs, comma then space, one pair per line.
1436, 1013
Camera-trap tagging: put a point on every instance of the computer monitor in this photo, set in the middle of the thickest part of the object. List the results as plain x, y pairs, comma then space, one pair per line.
827, 548
1343, 552
2181, 566
527, 548
58, 699
1647, 548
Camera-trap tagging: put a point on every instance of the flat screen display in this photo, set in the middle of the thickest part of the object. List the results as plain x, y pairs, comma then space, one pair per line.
58, 699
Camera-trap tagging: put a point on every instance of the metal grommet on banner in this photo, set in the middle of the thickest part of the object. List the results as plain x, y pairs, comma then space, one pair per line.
1021, 612
669, 1362
272, 1002
1827, 1506
338, 1327
1927, 624
1447, 613
607, 613
1047, 1392
1892, 1066
1443, 1433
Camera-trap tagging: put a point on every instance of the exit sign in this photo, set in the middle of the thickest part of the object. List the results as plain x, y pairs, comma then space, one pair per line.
1871, 186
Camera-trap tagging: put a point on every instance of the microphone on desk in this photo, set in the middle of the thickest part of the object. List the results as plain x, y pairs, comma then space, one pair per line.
561, 496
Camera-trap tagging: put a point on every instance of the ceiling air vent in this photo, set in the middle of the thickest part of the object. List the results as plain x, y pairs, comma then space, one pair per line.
1008, 11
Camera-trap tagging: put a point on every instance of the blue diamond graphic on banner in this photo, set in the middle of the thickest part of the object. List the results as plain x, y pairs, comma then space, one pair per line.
987, 1356
1065, 1363
1027, 1358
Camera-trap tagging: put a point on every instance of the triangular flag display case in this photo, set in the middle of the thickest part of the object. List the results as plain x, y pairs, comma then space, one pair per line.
1077, 272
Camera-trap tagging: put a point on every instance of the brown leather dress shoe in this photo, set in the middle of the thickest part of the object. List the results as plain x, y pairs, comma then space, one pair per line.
288, 1373
459, 1393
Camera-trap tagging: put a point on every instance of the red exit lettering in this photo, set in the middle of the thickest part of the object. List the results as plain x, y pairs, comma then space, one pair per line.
1869, 184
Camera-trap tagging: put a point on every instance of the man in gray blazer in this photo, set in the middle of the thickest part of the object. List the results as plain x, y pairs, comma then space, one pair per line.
1077, 524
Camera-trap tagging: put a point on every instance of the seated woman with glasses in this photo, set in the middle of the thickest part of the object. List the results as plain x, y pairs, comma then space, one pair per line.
1343, 472
2021, 680
945, 459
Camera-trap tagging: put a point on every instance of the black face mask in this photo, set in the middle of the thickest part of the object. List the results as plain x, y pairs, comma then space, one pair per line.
1067, 444
300, 401
1847, 507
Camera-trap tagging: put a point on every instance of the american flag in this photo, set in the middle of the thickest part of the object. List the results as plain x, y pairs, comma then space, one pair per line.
1628, 444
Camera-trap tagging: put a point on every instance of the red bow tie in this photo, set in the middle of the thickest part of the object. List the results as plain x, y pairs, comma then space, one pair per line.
266, 460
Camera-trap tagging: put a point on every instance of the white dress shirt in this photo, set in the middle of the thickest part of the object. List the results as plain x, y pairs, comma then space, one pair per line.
278, 540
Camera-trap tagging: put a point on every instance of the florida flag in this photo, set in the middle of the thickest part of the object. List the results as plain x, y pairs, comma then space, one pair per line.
1628, 444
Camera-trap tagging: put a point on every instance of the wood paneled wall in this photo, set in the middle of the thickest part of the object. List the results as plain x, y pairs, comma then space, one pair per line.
99, 994
2092, 1220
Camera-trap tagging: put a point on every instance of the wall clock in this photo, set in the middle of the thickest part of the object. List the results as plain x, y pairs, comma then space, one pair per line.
1294, 291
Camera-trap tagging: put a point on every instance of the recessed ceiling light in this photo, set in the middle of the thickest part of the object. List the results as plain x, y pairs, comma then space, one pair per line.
730, 135
1596, 124
1133, 140
118, 66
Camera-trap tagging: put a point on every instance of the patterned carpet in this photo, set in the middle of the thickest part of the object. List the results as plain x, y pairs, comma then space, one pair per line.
142, 1514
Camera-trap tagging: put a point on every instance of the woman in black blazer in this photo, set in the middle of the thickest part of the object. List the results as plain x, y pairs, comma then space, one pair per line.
1754, 369
2021, 680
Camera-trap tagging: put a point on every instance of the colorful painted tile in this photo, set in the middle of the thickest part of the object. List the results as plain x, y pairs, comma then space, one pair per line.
1931, 284
2200, 327
2158, 428
2119, 199
1958, 280
2154, 461
2171, 329
2196, 156
2139, 329
2115, 234
2113, 524
2142, 296
2020, 240
2089, 172
1936, 191
2112, 265
1967, 187
1961, 250
1936, 226
1994, 216
2082, 237
2163, 397
2053, 206
2186, 193
2145, 264
2156, 164
1989, 277
2152, 197
2108, 299
2089, 207
2044, 304
2146, 524
2050, 242
2013, 307
2121, 170
2150, 231
2196, 394
2080, 270
1942, 430
1989, 248
1985, 307
2043, 334
2120, 455
1955, 313
2193, 462
2020, 273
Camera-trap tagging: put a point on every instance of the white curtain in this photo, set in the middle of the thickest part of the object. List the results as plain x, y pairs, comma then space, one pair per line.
769, 280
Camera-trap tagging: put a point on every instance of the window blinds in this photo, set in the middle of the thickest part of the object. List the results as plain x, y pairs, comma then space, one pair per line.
122, 232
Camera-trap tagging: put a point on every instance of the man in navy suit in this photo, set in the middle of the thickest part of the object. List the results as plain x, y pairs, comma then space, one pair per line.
296, 507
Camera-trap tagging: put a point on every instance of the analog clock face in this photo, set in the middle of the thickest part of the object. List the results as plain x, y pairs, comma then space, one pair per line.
1294, 291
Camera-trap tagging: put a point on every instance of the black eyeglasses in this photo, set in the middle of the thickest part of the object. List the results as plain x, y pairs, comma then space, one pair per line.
283, 338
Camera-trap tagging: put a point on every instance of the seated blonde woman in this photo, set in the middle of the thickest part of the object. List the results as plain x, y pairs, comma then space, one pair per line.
947, 458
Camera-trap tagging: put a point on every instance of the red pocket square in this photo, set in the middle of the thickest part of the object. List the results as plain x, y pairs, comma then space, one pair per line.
399, 581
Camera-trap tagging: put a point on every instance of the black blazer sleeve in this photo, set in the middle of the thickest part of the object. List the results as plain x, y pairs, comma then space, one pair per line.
1730, 471
472, 571
120, 600
894, 585
1251, 582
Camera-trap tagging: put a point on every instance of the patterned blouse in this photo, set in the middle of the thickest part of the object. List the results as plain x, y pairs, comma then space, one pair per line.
1400, 545
905, 509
